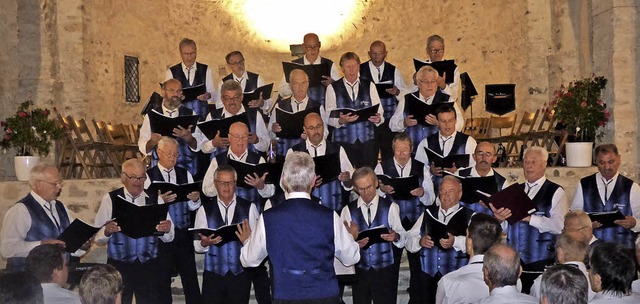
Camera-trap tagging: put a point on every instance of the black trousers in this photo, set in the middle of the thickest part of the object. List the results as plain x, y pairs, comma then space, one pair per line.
414, 276
227, 289
428, 287
362, 154
144, 280
531, 271
377, 286
384, 139
261, 282
180, 257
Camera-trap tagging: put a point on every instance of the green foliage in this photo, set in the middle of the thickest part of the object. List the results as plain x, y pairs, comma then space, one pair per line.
30, 131
580, 108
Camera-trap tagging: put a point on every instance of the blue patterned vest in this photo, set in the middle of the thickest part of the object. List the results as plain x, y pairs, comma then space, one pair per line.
379, 255
619, 199
285, 143
388, 74
198, 106
250, 194
187, 157
125, 249
458, 147
532, 245
226, 258
309, 274
252, 115
419, 132
42, 227
353, 131
410, 210
434, 260
475, 206
179, 212
250, 85
330, 194
319, 92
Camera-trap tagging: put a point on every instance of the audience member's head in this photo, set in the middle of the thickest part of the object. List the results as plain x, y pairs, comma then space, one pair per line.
20, 288
501, 266
578, 223
102, 284
571, 248
564, 284
48, 264
612, 269
298, 172
483, 232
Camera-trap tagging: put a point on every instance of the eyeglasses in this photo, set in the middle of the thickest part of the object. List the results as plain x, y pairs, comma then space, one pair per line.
178, 91
365, 189
239, 136
231, 98
174, 155
447, 192
312, 47
138, 178
427, 81
237, 62
55, 184
313, 128
436, 51
225, 184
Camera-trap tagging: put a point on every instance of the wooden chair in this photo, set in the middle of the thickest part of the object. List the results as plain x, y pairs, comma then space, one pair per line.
503, 126
522, 134
477, 128
113, 151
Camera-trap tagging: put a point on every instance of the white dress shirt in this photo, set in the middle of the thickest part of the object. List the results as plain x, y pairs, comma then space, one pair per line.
559, 207
634, 196
465, 285
285, 90
201, 219
170, 174
54, 294
330, 100
535, 288
604, 297
508, 295
427, 185
393, 218
321, 150
191, 73
243, 83
297, 106
446, 144
105, 214
474, 173
209, 188
145, 132
396, 124
451, 89
16, 224
261, 131
414, 235
255, 249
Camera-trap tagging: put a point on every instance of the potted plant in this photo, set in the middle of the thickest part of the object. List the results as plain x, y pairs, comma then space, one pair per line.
580, 109
31, 132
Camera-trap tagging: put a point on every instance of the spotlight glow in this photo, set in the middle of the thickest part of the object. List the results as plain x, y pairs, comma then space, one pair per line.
284, 22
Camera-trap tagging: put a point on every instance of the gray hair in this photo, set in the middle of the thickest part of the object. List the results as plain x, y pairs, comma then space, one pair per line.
298, 172
130, 163
502, 264
230, 85
433, 38
225, 169
38, 172
425, 70
564, 284
166, 140
101, 285
536, 149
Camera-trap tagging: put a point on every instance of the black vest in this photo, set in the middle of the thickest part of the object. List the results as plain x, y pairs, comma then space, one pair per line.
199, 78
250, 85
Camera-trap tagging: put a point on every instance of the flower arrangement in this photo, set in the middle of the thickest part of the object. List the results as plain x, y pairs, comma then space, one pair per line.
30, 131
579, 108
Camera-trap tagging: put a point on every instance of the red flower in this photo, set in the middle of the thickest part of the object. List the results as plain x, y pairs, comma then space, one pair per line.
9, 130
583, 104
568, 94
23, 114
601, 123
600, 101
45, 112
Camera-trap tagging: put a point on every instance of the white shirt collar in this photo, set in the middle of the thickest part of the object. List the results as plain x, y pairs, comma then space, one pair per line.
40, 200
226, 113
307, 62
194, 67
373, 205
174, 111
538, 182
240, 157
233, 201
475, 173
601, 178
244, 76
293, 195
294, 100
374, 67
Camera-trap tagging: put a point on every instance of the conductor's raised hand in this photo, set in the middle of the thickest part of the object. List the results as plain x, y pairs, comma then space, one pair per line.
244, 231
255, 180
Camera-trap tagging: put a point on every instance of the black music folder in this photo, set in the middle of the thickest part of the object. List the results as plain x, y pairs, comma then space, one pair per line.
460, 160
211, 127
402, 186
227, 233
292, 123
192, 93
77, 234
164, 125
515, 199
180, 190
420, 110
314, 71
382, 89
363, 114
328, 167
438, 230
472, 187
448, 66
244, 169
606, 218
138, 221
155, 100
374, 234
265, 90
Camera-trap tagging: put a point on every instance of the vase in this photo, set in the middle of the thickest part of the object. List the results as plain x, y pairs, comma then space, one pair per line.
23, 165
579, 154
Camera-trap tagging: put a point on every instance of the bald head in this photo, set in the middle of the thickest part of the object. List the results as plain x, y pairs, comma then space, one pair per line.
377, 52
172, 90
484, 156
299, 83
314, 128
311, 44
